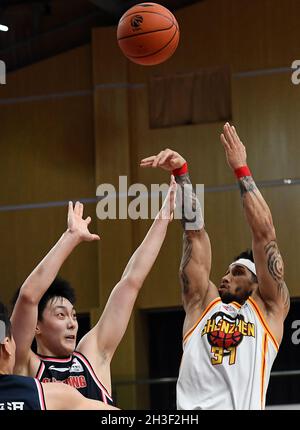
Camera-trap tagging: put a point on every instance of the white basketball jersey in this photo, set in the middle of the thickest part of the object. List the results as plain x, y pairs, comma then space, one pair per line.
227, 359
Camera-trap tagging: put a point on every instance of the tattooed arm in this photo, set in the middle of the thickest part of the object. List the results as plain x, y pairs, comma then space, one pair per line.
268, 261
197, 289
195, 263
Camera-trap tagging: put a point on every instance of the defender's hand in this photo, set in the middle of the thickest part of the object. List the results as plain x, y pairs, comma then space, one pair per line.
234, 149
169, 204
79, 226
167, 160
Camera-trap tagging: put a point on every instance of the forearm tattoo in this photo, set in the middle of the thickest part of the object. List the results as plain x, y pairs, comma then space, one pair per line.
186, 256
246, 185
276, 269
191, 213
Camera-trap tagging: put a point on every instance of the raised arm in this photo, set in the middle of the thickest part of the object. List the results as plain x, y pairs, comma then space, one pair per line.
25, 312
267, 257
197, 289
101, 342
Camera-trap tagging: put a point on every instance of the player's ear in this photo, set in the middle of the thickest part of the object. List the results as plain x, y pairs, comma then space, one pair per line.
37, 329
2, 347
5, 347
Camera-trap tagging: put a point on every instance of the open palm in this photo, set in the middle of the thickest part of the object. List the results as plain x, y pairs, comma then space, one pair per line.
78, 225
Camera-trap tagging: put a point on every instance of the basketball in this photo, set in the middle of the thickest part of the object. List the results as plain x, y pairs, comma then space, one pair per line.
148, 34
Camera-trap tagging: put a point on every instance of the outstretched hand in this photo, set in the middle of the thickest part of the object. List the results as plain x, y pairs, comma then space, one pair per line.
234, 149
79, 226
167, 160
169, 204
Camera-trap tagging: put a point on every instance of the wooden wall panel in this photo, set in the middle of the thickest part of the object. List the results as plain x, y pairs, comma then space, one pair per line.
28, 235
47, 150
266, 111
69, 71
47, 155
251, 35
64, 148
109, 65
112, 152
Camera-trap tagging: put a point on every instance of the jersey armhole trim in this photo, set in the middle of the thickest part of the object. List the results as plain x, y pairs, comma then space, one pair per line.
264, 322
40, 370
263, 368
207, 309
93, 374
41, 394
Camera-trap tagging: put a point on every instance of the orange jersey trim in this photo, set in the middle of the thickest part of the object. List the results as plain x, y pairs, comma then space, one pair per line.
263, 367
264, 323
207, 309
236, 304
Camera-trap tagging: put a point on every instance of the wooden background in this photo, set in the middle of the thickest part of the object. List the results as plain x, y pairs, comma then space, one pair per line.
80, 119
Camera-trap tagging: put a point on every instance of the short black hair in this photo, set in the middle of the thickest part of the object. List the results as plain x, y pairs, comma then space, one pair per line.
248, 254
5, 318
59, 288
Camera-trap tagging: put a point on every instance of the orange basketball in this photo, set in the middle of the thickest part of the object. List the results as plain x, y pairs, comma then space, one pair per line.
148, 34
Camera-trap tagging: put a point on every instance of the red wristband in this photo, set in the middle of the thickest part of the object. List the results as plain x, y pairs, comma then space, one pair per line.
181, 171
242, 171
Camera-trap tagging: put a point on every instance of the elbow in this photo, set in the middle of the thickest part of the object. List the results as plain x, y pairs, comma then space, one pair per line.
266, 231
133, 282
194, 234
26, 296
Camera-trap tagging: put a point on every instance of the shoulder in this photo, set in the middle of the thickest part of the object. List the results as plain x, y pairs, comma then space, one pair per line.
271, 319
30, 368
34, 363
272, 309
196, 313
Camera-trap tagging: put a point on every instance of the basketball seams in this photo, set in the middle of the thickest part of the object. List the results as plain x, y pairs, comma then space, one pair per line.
156, 52
147, 32
160, 30
169, 18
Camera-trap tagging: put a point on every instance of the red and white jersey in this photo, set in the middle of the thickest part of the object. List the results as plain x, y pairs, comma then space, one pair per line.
76, 371
227, 359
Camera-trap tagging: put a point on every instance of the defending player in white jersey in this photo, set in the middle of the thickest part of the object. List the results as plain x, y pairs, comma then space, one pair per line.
231, 333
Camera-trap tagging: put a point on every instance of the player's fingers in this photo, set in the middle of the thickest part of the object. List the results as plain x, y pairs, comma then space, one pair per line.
236, 135
168, 153
173, 191
146, 164
77, 208
233, 136
173, 183
80, 209
234, 132
148, 159
88, 220
157, 159
224, 142
227, 133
